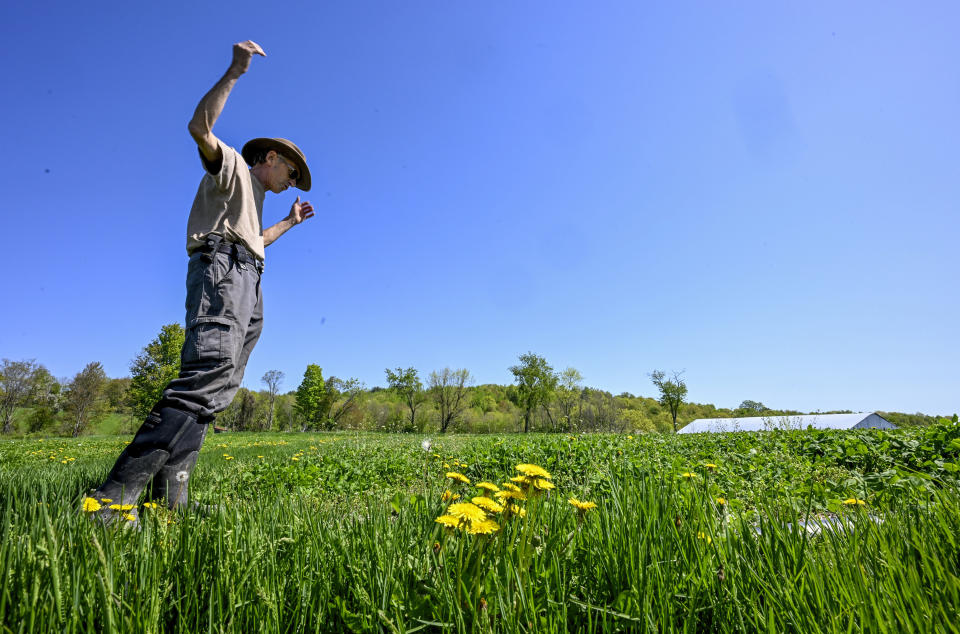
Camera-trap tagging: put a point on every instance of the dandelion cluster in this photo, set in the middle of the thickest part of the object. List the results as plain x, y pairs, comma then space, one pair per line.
469, 518
476, 516
531, 481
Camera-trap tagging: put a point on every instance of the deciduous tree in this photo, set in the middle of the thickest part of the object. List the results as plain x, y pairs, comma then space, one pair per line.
569, 393
313, 399
84, 396
536, 383
272, 379
46, 399
406, 384
16, 386
156, 365
753, 406
448, 391
345, 395
673, 392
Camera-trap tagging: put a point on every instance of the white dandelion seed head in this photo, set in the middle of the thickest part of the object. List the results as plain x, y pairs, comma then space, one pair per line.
182, 476
426, 444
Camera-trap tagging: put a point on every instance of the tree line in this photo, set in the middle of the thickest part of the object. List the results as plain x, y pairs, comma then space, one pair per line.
541, 398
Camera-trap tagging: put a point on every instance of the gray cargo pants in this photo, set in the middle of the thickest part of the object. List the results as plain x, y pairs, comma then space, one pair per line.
224, 320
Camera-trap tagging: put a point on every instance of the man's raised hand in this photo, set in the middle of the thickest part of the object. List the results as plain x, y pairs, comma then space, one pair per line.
300, 211
243, 52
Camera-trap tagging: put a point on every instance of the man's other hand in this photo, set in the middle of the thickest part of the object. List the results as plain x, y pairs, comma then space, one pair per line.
300, 211
243, 52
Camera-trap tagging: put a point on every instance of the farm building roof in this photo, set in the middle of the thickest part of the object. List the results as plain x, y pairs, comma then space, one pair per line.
862, 420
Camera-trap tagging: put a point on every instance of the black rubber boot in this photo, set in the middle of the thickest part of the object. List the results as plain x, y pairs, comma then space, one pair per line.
172, 482
142, 459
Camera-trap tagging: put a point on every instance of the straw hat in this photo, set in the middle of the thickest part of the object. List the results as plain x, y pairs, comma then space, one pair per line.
284, 147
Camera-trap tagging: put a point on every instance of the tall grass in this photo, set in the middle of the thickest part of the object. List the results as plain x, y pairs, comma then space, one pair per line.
659, 554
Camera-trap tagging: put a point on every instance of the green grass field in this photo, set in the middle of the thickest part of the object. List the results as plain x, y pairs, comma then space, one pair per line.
778, 532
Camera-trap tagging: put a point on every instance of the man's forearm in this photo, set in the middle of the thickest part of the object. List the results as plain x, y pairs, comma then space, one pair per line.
271, 234
210, 107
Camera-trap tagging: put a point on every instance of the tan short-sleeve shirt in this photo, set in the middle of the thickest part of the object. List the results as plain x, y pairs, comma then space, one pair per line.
228, 203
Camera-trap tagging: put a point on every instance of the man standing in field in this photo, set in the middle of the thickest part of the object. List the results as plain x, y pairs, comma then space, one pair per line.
225, 241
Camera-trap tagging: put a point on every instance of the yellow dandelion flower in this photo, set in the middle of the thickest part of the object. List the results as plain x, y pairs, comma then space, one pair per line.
449, 496
295, 458
107, 500
446, 465
484, 527
533, 471
90, 505
150, 505
688, 475
508, 494
448, 521
487, 504
489, 486
710, 466
130, 517
64, 461
582, 506
459, 477
467, 511
229, 458
517, 510
543, 485
121, 507
702, 535
721, 501
854, 502
509, 486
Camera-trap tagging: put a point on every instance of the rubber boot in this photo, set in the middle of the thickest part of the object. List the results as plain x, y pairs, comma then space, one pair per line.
141, 460
172, 481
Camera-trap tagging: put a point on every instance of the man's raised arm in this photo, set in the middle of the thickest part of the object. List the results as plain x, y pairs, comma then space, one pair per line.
210, 107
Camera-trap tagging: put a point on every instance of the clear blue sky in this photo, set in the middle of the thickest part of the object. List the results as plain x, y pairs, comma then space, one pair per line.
762, 195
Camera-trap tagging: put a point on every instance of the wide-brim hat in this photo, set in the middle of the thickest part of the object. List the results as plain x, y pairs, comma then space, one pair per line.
287, 148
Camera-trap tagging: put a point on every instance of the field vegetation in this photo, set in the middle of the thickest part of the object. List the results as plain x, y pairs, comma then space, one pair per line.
785, 531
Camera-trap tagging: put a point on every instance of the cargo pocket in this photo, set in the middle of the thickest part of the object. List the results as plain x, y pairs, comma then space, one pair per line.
209, 340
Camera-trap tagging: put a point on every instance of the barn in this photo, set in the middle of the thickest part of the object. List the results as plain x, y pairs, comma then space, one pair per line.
862, 420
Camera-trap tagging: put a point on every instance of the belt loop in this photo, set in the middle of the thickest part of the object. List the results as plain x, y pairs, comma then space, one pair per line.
238, 256
212, 243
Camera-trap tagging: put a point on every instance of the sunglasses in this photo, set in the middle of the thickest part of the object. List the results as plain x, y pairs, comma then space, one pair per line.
294, 173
